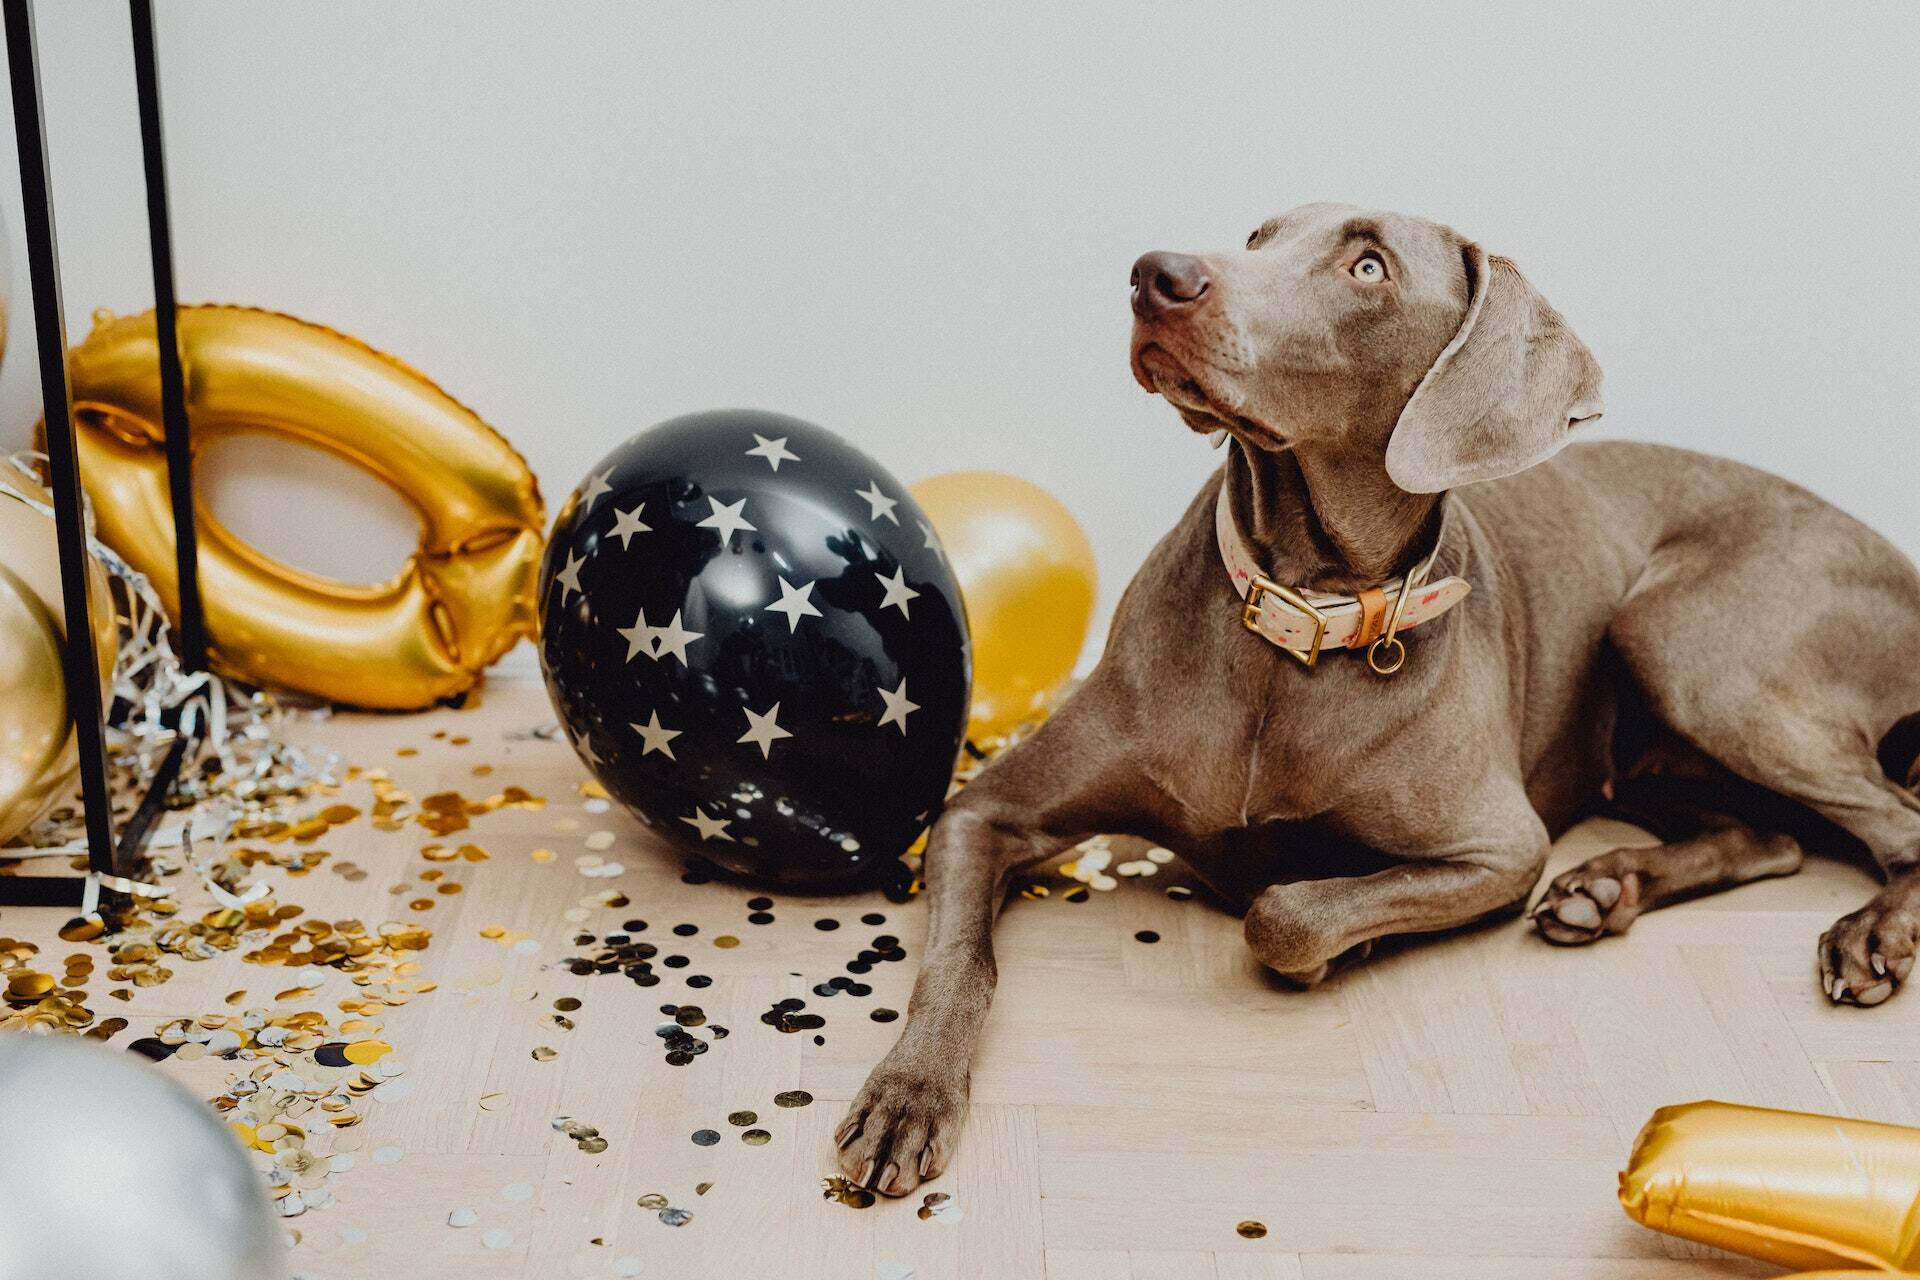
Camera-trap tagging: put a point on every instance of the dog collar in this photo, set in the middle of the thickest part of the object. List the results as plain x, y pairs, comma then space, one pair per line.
1305, 622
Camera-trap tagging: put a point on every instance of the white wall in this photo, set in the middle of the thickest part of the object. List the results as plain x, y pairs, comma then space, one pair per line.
914, 222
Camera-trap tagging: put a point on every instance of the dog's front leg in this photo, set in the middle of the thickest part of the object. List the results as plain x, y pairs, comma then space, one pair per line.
1300, 930
1066, 782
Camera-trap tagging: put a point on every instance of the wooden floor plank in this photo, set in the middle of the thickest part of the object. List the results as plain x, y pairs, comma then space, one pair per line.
1456, 1108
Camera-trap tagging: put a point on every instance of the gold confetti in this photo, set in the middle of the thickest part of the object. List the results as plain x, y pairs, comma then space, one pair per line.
28, 985
83, 928
362, 1052
841, 1191
1252, 1230
545, 1054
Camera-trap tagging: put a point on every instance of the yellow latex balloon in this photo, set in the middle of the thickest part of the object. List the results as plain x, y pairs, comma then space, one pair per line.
1025, 569
464, 597
38, 758
1805, 1191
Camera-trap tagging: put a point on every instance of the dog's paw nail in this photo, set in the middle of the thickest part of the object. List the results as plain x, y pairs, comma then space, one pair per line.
1580, 913
889, 1179
1879, 963
926, 1162
1605, 891
848, 1131
1837, 989
866, 1175
1874, 994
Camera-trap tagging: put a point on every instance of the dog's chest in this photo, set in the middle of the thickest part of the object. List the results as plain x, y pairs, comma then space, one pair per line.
1245, 741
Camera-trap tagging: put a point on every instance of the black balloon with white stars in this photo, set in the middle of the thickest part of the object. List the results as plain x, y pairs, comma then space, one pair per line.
753, 639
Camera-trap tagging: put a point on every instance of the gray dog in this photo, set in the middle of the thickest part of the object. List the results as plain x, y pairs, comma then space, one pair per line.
1300, 695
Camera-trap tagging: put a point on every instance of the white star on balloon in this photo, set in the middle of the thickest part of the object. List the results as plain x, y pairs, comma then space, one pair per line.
763, 729
586, 749
626, 524
898, 592
898, 707
794, 602
595, 489
673, 639
568, 579
726, 518
878, 503
639, 637
709, 828
931, 542
774, 451
655, 736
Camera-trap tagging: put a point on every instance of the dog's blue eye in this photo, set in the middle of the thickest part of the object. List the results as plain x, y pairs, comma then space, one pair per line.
1369, 268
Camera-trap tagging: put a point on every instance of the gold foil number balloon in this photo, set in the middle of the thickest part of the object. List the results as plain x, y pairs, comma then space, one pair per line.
38, 759
1797, 1190
1026, 571
463, 599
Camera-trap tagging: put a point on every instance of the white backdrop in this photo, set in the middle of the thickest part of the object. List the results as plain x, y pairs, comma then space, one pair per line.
913, 222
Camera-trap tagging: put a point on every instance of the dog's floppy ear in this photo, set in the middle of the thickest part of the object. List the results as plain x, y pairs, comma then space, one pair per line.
1503, 395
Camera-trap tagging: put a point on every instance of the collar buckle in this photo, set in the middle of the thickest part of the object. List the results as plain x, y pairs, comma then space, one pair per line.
1250, 615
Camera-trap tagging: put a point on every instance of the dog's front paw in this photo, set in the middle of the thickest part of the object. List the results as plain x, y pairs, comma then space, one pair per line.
1586, 903
903, 1126
1865, 956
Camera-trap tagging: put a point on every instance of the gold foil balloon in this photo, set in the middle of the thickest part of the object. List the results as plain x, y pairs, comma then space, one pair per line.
1026, 571
38, 758
112, 1169
465, 596
1798, 1190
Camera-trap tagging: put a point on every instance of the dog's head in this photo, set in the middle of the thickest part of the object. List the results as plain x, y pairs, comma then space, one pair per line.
1365, 330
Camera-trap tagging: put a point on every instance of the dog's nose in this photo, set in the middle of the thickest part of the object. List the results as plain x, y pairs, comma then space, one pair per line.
1164, 282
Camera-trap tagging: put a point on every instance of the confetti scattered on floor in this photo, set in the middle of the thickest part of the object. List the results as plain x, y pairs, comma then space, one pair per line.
309, 1050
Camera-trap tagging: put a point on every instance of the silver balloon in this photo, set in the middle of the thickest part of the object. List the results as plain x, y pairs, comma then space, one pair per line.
109, 1168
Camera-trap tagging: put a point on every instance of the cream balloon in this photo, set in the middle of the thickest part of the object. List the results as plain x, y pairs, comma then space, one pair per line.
112, 1169
38, 759
36, 751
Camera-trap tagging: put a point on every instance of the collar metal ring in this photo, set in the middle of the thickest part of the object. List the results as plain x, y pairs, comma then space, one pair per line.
1379, 664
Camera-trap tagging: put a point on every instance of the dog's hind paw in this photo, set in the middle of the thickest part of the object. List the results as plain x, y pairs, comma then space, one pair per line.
1865, 956
1584, 904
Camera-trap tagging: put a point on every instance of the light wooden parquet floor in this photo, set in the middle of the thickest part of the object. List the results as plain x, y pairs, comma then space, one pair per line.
1454, 1109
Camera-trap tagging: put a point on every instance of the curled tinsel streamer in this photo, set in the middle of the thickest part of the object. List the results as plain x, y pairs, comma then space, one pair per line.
237, 766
